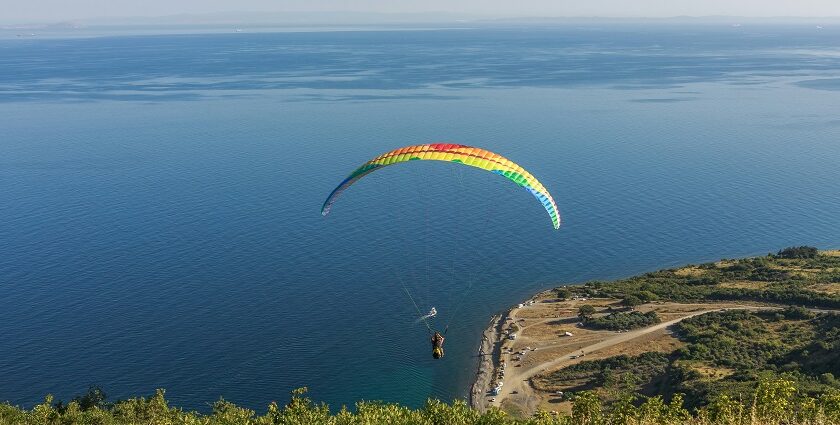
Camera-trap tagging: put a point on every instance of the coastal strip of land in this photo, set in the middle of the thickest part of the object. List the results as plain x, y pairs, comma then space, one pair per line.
526, 351
547, 336
488, 355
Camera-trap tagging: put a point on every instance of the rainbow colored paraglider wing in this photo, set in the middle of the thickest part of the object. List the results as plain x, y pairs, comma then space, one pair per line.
467, 155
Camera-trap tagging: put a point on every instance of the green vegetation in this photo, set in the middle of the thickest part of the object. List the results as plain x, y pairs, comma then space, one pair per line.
632, 301
727, 354
794, 276
563, 293
622, 321
775, 402
613, 379
798, 252
585, 312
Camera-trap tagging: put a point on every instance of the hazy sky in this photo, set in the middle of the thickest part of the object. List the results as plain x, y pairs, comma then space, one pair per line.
57, 10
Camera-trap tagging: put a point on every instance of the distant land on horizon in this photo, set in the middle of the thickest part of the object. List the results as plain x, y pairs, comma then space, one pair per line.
338, 18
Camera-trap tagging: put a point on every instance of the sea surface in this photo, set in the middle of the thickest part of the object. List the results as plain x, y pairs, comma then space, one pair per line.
160, 195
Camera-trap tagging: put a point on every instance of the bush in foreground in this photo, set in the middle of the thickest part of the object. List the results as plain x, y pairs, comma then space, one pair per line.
775, 403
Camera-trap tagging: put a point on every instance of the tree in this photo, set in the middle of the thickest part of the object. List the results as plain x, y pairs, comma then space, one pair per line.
647, 296
585, 312
798, 252
94, 398
587, 409
564, 293
631, 301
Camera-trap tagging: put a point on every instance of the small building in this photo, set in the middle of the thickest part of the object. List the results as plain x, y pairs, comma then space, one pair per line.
512, 336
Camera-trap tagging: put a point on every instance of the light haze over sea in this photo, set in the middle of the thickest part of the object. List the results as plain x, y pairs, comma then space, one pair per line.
160, 194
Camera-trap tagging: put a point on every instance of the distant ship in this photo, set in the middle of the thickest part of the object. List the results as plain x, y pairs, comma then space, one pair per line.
238, 30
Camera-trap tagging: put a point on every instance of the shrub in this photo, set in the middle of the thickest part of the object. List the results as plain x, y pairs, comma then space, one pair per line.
798, 252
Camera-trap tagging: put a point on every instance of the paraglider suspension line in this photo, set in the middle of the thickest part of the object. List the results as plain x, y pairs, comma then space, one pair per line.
458, 306
407, 292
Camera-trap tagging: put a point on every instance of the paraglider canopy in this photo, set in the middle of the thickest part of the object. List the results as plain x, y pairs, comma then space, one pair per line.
461, 154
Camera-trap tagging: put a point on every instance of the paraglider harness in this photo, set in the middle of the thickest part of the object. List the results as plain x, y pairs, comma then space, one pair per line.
437, 337
437, 345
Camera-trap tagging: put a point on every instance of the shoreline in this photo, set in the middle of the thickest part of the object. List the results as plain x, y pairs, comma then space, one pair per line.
489, 352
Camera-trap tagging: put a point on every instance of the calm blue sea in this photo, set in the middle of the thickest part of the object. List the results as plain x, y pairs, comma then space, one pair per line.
160, 195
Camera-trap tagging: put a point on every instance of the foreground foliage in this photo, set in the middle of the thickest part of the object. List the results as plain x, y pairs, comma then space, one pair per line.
775, 402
